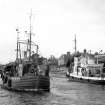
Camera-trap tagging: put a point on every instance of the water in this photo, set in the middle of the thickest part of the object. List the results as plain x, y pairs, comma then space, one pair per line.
62, 92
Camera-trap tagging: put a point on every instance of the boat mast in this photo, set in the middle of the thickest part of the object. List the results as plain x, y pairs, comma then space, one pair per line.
17, 44
20, 51
75, 41
30, 36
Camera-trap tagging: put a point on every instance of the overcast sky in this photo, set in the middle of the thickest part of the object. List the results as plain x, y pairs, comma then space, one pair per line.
54, 23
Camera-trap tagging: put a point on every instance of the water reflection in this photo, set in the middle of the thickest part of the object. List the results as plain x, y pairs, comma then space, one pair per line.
62, 93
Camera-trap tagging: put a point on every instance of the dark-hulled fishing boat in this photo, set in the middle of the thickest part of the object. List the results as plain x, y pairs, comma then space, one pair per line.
28, 73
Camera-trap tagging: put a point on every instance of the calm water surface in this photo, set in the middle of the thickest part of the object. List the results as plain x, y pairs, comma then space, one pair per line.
62, 92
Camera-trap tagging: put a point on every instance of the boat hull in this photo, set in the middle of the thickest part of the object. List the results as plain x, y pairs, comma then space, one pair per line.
86, 80
31, 83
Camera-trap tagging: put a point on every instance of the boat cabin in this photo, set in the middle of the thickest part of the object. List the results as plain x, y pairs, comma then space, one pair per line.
86, 65
25, 69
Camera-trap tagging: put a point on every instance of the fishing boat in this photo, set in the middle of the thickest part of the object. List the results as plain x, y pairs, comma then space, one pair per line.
87, 67
27, 73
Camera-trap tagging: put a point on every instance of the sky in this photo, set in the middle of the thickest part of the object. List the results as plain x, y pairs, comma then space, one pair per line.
54, 23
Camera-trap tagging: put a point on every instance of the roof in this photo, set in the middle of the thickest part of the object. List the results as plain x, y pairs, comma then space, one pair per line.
95, 65
100, 56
